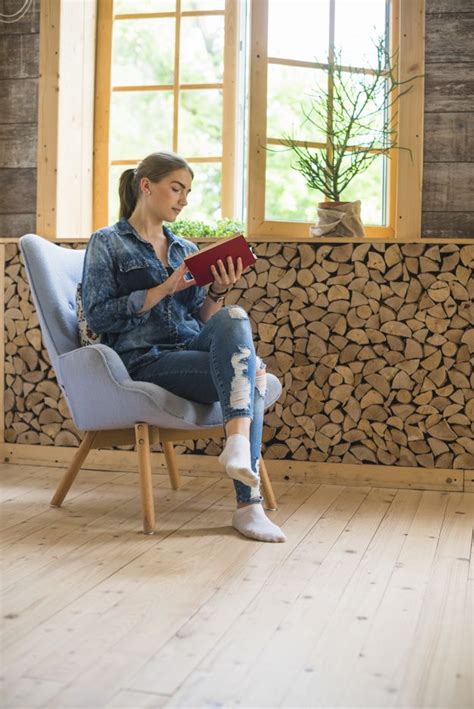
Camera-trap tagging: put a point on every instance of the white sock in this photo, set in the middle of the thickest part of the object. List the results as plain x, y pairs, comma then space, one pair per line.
251, 521
236, 459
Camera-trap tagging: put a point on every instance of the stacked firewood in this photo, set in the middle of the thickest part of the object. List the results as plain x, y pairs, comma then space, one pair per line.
373, 343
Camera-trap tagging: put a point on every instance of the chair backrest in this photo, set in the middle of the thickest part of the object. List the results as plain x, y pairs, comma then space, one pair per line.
53, 274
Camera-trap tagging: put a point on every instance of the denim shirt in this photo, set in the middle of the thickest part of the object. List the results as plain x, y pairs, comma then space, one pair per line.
119, 268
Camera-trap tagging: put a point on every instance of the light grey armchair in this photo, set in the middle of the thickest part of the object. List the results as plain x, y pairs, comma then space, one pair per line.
110, 407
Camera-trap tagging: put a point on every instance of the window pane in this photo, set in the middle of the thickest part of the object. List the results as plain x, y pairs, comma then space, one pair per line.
369, 188
141, 122
204, 201
202, 4
129, 6
287, 196
358, 26
202, 50
298, 30
143, 52
200, 123
290, 92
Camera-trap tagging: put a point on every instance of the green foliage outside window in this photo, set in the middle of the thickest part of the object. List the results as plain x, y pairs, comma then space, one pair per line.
197, 230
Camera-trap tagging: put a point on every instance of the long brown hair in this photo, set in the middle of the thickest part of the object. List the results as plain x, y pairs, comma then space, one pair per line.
155, 166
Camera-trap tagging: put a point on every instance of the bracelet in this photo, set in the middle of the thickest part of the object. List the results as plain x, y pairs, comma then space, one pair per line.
218, 293
215, 297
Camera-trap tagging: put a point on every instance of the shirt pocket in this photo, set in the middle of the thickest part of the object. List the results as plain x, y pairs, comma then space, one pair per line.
137, 274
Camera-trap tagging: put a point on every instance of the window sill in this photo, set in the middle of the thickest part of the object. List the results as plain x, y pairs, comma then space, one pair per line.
262, 238
372, 239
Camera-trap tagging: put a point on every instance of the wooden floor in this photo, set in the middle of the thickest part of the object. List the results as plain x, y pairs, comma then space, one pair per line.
368, 604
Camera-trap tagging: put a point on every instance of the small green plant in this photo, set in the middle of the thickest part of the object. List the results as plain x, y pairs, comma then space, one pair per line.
354, 110
198, 230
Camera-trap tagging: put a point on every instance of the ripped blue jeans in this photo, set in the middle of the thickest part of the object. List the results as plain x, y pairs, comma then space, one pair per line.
218, 364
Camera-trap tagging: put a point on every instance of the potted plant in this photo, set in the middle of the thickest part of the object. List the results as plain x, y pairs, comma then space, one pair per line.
355, 110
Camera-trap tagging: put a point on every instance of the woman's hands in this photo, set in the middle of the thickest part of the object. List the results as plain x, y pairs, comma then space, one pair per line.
173, 284
225, 277
177, 282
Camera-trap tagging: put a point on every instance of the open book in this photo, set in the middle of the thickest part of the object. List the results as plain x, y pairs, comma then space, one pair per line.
199, 264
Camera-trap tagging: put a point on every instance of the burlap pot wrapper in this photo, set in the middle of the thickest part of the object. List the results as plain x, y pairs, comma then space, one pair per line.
340, 220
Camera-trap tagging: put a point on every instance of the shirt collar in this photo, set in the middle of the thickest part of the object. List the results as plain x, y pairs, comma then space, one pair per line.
123, 227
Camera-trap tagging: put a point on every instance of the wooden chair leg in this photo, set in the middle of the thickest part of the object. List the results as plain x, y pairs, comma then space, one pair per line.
146, 487
70, 474
267, 489
172, 464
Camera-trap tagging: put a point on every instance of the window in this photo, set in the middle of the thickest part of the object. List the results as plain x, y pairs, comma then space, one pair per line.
286, 70
169, 84
176, 81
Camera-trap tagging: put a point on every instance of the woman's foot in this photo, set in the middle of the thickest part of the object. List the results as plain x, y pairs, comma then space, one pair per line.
236, 459
251, 521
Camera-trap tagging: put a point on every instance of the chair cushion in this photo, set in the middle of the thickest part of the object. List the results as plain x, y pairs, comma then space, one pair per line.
86, 335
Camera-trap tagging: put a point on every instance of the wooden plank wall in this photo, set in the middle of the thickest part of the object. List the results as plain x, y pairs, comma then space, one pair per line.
19, 56
448, 187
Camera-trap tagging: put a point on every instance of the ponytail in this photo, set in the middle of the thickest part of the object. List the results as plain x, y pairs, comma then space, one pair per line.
128, 193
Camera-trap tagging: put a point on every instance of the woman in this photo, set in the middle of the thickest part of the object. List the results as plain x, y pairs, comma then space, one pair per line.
139, 296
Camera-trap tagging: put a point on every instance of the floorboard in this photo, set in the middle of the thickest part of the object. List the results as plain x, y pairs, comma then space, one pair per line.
368, 604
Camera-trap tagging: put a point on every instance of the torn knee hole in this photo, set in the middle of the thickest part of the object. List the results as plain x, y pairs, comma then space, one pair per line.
240, 385
237, 312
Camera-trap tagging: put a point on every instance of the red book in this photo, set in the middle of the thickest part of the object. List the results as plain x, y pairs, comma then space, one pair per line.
199, 264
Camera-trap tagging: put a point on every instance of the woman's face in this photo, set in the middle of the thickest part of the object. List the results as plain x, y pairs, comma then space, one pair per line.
167, 197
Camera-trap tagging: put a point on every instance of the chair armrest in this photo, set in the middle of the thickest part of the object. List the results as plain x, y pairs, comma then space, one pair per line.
91, 378
100, 358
